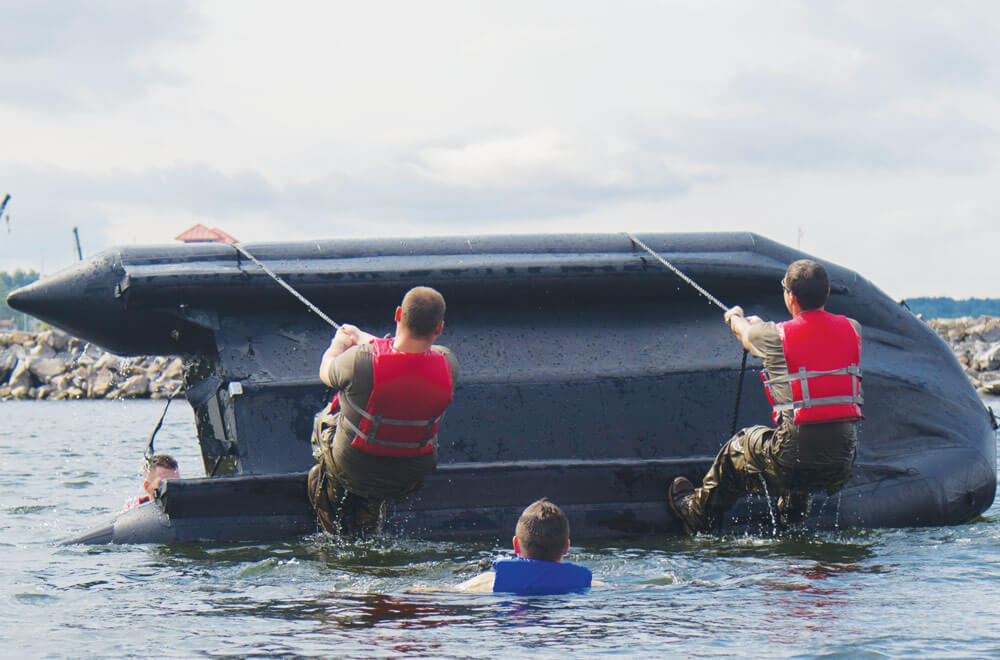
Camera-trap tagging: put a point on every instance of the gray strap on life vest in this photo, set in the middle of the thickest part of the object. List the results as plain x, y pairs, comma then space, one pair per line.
378, 420
807, 402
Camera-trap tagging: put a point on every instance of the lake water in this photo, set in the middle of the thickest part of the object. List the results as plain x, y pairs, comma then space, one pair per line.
65, 466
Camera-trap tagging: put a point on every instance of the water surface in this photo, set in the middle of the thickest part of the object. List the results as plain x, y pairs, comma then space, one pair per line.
66, 466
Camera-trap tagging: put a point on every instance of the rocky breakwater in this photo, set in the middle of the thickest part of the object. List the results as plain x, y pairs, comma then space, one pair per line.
976, 343
52, 365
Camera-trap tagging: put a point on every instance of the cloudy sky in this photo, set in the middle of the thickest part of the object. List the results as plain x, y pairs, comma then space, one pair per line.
872, 127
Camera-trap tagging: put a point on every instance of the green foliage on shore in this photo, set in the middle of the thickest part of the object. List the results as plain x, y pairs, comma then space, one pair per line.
949, 308
9, 282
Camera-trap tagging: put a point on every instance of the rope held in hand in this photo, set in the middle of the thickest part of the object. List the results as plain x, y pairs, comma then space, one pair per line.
716, 301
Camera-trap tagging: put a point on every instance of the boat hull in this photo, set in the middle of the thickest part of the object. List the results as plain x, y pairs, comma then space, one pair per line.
590, 374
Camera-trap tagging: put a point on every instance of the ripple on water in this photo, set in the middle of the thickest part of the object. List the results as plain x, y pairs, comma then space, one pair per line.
25, 509
35, 598
848, 593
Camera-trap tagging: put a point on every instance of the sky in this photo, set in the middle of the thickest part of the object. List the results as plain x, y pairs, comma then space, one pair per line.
866, 133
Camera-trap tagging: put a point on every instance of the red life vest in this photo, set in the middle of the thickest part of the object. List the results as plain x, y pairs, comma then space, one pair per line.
410, 392
823, 351
131, 504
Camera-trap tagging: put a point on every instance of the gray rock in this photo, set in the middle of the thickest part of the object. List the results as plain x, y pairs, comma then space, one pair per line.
108, 361
101, 383
135, 386
8, 360
20, 377
175, 369
89, 355
46, 369
19, 337
992, 387
988, 359
56, 339
62, 381
42, 351
987, 331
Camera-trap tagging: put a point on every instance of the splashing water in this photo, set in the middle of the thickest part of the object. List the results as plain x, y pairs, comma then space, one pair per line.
836, 518
770, 509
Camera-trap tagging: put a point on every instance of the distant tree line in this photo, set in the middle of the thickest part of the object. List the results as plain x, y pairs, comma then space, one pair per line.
949, 308
9, 282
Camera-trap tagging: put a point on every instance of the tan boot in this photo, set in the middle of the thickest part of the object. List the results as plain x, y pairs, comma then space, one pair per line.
325, 510
684, 504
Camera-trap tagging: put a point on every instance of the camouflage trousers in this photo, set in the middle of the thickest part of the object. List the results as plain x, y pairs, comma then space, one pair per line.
792, 462
348, 488
339, 511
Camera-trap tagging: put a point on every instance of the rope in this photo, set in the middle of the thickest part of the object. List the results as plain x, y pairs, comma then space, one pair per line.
681, 275
316, 310
717, 302
305, 301
739, 393
148, 454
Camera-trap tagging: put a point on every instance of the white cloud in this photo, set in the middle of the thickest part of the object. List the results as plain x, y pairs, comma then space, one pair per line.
873, 127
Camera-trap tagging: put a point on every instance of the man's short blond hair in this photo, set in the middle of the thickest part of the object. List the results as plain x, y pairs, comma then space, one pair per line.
542, 531
423, 311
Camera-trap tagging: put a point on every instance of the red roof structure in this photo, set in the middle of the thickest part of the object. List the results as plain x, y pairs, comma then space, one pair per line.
202, 234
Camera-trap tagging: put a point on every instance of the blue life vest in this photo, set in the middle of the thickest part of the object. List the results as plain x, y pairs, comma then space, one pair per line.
534, 576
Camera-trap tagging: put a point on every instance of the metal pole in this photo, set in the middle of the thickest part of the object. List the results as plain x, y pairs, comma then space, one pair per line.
76, 235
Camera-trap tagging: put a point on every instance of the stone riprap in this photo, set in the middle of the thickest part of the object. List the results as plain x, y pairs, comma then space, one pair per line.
976, 343
52, 365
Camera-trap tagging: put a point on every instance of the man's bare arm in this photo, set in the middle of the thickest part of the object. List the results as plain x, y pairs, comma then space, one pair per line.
740, 325
347, 336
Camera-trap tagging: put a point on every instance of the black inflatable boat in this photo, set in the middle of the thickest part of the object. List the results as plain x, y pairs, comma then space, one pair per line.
590, 374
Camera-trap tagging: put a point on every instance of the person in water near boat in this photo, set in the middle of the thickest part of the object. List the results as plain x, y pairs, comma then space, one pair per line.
541, 540
158, 468
378, 438
813, 381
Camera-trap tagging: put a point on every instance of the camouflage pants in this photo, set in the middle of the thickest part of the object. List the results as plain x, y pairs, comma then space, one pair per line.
349, 487
794, 463
339, 511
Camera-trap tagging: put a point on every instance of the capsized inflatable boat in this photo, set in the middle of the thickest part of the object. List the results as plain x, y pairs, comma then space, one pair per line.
590, 374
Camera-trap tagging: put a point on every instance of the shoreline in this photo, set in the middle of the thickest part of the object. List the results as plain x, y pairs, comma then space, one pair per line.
53, 366
975, 341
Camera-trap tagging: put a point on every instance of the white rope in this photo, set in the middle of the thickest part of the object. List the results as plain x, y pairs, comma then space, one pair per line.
678, 272
287, 286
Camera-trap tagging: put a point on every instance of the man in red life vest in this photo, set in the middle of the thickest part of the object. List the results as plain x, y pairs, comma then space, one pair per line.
158, 468
813, 380
378, 438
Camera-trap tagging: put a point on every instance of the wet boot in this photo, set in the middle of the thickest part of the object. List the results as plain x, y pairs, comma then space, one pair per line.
684, 504
361, 517
794, 508
341, 512
326, 511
